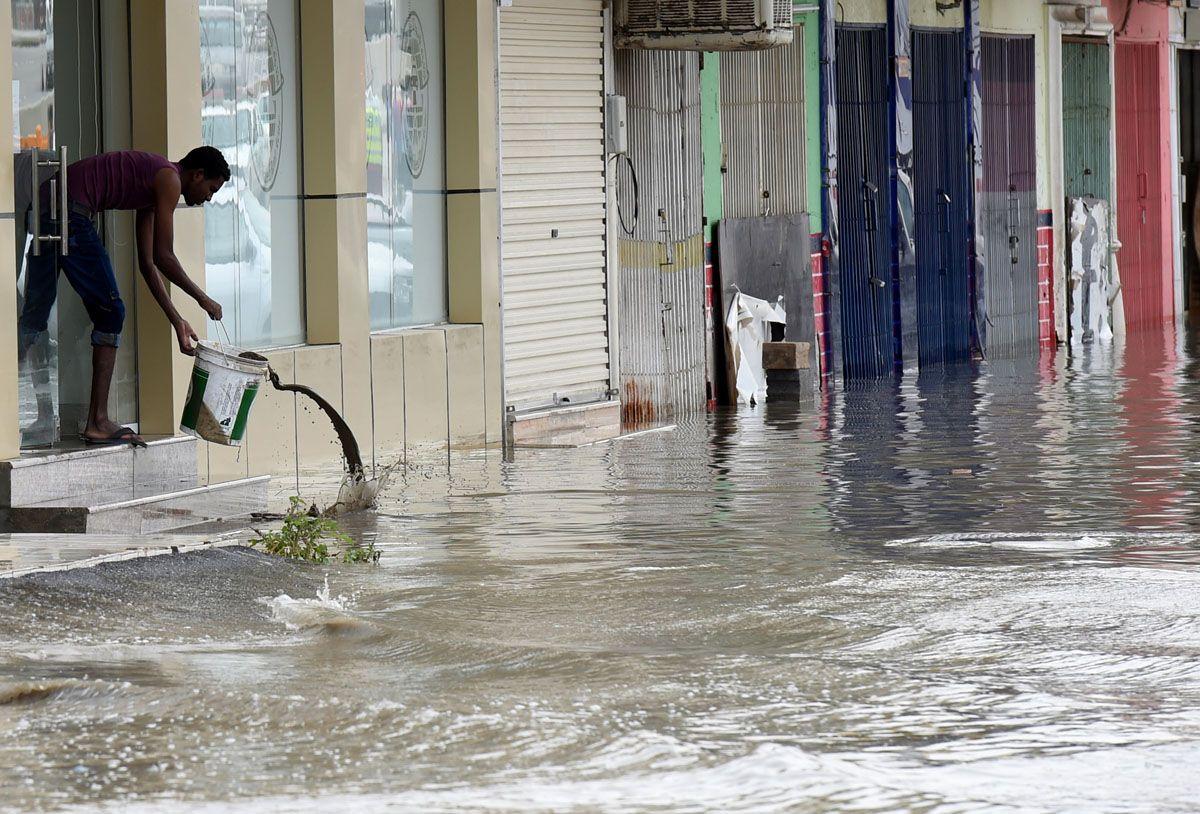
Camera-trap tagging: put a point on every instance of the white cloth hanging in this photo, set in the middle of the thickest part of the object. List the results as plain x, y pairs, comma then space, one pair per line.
747, 326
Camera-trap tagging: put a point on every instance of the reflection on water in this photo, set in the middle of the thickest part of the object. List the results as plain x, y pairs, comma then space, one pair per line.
966, 592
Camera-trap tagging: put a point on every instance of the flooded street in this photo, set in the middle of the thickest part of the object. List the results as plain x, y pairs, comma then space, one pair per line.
978, 591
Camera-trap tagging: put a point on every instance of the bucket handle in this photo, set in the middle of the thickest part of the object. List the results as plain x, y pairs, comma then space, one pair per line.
221, 325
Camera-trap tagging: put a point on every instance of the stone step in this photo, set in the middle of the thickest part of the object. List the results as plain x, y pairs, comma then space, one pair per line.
141, 510
64, 475
566, 426
120, 490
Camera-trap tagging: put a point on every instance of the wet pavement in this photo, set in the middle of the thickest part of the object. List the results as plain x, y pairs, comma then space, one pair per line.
975, 591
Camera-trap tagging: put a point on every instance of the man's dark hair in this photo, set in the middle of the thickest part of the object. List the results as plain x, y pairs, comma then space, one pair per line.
209, 160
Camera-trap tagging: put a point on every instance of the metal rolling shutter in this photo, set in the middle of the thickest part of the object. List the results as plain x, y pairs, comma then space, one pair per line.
762, 128
1147, 282
556, 344
868, 326
1008, 204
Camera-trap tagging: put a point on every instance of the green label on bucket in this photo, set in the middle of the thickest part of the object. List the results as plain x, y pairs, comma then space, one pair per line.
191, 410
243, 413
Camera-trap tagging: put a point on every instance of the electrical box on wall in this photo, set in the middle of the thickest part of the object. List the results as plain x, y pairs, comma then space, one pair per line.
616, 135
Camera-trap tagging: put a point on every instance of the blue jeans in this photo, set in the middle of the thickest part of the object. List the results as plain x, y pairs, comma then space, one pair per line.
90, 273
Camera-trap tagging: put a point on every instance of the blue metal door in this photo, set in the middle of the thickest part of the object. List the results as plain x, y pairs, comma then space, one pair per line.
865, 288
941, 168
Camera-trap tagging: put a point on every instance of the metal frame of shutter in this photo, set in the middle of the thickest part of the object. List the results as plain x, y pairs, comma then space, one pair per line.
554, 203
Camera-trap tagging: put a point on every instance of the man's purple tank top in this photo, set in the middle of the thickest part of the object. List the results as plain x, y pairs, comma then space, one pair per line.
117, 180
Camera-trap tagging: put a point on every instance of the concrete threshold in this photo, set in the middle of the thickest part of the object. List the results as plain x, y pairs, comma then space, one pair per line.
624, 436
25, 554
566, 426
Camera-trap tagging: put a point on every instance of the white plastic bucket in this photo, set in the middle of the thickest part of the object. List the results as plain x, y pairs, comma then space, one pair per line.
224, 384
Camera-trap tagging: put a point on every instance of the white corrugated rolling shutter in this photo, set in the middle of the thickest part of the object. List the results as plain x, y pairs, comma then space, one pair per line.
556, 342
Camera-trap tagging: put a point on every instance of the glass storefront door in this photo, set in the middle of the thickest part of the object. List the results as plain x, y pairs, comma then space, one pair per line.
61, 98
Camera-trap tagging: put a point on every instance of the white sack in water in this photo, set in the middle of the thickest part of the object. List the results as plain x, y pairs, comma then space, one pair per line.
746, 328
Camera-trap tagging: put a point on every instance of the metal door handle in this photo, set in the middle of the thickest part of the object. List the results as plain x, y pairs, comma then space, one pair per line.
1014, 214
35, 210
1143, 185
58, 201
870, 208
63, 202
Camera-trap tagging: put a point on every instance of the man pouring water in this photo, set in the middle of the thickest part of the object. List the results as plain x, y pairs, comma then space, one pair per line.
134, 180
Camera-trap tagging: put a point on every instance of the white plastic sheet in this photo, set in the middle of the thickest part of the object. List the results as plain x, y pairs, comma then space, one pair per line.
1092, 289
747, 326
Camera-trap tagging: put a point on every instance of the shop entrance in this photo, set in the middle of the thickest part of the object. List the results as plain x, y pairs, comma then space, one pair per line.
1189, 173
1008, 205
941, 191
63, 99
1146, 275
864, 220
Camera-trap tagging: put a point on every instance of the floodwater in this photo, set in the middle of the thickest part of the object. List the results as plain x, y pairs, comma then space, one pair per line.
977, 591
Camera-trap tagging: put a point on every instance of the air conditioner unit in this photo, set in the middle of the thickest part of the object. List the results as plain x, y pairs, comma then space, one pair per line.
702, 25
1088, 17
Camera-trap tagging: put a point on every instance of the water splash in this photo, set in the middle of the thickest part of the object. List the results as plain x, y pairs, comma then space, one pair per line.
27, 692
357, 491
325, 611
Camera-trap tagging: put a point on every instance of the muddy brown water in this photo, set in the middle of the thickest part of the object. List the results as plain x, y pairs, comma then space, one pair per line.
358, 490
965, 592
350, 450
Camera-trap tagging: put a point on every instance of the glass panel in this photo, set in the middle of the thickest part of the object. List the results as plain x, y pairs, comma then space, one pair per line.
58, 95
117, 228
379, 241
37, 346
406, 202
253, 253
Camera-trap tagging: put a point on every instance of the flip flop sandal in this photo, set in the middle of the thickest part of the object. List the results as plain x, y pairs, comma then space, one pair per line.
122, 435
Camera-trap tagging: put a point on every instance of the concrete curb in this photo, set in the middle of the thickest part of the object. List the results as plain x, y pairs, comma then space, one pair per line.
164, 548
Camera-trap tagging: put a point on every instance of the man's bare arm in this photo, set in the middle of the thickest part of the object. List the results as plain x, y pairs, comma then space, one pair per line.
166, 197
154, 281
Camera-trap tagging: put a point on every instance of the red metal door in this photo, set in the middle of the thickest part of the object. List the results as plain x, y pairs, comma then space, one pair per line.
1146, 276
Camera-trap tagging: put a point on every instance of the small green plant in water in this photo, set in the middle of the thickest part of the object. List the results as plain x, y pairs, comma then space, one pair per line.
307, 535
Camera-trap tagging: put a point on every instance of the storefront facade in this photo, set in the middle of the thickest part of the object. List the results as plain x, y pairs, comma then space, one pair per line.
359, 135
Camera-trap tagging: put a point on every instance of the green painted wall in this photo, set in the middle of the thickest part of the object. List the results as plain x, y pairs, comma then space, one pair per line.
710, 141
812, 117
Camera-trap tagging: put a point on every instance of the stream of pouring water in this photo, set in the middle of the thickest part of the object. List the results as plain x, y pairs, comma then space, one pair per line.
357, 490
